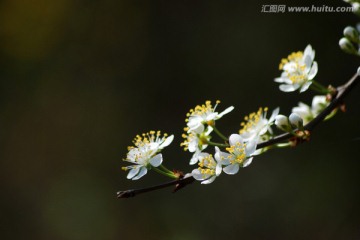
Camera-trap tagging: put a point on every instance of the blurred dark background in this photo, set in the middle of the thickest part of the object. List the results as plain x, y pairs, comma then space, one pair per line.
79, 79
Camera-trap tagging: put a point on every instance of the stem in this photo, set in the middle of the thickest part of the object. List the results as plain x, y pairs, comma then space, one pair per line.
319, 87
165, 169
217, 144
219, 133
178, 183
171, 175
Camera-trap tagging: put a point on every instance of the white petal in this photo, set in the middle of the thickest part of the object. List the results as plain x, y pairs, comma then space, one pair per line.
247, 162
154, 146
309, 52
235, 138
275, 112
257, 152
133, 172
229, 109
142, 172
203, 155
217, 154
225, 159
303, 110
209, 129
313, 71
290, 67
318, 100
197, 174
279, 80
194, 123
211, 116
231, 169
157, 160
167, 141
318, 104
221, 157
308, 61
288, 88
246, 136
208, 181
250, 147
194, 158
287, 80
193, 144
198, 129
218, 169
305, 86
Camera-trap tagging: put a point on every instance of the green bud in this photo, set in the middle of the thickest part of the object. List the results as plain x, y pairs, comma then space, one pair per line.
296, 121
352, 34
347, 46
282, 122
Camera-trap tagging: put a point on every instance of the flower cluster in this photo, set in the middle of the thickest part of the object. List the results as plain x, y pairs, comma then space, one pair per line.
299, 69
257, 126
146, 153
200, 124
238, 150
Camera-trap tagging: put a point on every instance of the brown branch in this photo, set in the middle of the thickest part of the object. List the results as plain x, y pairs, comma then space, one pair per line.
337, 100
179, 183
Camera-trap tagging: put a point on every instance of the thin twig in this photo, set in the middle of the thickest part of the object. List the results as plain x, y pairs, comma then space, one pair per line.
337, 100
179, 183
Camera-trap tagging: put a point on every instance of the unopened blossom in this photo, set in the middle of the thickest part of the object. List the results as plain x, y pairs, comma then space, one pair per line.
239, 154
256, 125
307, 113
146, 153
299, 69
296, 121
283, 123
208, 169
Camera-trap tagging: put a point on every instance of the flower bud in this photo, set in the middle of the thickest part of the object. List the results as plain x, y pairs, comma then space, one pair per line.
347, 46
352, 34
282, 122
296, 121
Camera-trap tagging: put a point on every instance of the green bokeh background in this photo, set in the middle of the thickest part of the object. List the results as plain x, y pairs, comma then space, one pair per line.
79, 79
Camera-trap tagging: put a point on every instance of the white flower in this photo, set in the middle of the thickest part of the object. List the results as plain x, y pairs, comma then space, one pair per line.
257, 125
204, 114
308, 113
239, 154
298, 70
146, 154
196, 142
199, 126
208, 169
